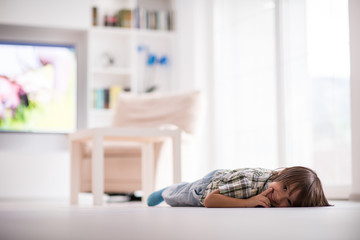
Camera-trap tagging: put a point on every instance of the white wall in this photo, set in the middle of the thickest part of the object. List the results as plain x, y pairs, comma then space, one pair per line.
184, 25
46, 13
37, 165
354, 15
31, 175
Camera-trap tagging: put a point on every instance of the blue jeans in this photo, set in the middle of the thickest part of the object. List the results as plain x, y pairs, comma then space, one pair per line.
187, 194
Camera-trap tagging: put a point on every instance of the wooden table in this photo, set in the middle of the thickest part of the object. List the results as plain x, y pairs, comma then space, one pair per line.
144, 136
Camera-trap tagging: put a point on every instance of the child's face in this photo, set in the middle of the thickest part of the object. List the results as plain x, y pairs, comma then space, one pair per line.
280, 195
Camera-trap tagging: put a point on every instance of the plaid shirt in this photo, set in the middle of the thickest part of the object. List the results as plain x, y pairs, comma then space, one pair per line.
239, 183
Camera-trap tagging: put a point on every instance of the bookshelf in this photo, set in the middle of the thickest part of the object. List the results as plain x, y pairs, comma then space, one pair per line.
131, 46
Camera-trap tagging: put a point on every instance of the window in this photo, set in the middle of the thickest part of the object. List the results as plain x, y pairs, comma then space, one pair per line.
285, 104
317, 87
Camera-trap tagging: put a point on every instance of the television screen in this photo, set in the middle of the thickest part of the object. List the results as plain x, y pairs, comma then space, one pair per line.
37, 87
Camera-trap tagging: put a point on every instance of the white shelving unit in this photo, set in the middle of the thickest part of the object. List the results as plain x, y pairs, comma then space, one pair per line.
118, 56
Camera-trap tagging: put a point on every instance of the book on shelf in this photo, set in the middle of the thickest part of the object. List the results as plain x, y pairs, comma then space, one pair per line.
106, 98
114, 93
161, 20
99, 98
153, 19
140, 18
124, 18
170, 20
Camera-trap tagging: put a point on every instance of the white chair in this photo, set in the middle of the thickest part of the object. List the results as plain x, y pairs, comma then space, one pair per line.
122, 158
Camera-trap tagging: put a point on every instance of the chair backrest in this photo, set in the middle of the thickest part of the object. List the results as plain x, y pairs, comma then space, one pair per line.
155, 109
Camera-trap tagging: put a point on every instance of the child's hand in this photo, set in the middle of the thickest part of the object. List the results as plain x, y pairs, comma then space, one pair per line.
216, 199
260, 199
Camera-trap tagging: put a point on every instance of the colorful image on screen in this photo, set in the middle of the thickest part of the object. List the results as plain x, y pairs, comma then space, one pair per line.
37, 87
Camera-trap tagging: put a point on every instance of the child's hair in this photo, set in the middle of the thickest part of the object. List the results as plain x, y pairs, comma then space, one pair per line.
307, 182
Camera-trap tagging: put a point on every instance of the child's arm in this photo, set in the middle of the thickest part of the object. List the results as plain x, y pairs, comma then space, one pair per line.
217, 200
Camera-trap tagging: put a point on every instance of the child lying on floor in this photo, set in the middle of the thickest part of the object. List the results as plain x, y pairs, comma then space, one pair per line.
247, 187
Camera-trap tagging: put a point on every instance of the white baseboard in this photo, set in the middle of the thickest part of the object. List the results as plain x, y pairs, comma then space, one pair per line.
355, 197
337, 192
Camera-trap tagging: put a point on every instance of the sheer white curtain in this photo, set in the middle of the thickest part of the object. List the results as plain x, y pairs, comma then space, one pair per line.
315, 65
286, 104
329, 70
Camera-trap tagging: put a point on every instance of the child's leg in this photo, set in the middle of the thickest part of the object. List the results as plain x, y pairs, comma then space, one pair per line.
180, 195
187, 194
155, 198
175, 192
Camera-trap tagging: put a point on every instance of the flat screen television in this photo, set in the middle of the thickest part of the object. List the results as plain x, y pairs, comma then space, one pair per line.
38, 86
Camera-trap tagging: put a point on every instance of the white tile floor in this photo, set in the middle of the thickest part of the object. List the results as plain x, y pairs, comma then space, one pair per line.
50, 220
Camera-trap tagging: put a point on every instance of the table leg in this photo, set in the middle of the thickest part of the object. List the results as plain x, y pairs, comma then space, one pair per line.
75, 155
176, 146
147, 170
98, 170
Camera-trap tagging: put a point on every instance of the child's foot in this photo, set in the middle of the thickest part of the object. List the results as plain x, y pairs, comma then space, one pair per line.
155, 198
